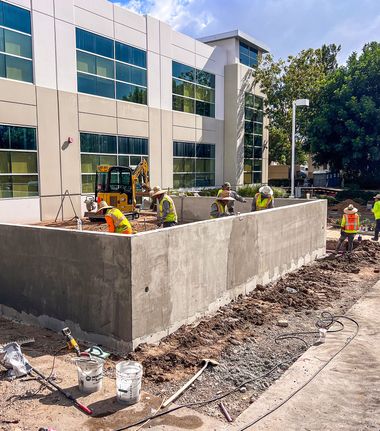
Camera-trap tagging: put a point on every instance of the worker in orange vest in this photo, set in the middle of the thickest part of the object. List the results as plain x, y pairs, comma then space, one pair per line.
116, 220
349, 227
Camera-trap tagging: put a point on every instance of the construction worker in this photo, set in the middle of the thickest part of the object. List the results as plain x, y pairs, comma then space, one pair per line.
349, 227
166, 212
263, 199
116, 220
233, 194
220, 207
376, 213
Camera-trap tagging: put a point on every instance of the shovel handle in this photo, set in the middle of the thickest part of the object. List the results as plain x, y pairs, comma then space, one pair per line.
84, 408
184, 387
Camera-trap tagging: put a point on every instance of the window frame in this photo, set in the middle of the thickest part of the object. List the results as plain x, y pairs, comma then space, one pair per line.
28, 60
195, 174
195, 84
251, 105
117, 154
115, 61
22, 174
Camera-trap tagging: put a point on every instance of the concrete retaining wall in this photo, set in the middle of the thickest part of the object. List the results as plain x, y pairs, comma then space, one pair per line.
191, 208
122, 291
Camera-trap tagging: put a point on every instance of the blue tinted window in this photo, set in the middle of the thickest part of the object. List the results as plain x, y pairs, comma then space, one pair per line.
182, 71
96, 86
248, 55
205, 109
93, 43
128, 145
131, 93
16, 18
130, 74
129, 54
2, 46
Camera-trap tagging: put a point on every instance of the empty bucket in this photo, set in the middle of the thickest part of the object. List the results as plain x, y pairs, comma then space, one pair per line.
128, 382
90, 374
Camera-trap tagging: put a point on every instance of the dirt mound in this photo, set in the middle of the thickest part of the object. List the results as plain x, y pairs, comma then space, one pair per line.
309, 288
340, 206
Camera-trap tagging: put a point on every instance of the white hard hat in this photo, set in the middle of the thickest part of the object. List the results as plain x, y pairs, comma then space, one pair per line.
266, 190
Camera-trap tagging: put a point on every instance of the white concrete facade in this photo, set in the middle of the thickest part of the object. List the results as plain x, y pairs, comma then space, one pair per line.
54, 107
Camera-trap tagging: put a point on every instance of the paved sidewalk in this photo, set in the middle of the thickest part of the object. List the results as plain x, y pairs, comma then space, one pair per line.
343, 396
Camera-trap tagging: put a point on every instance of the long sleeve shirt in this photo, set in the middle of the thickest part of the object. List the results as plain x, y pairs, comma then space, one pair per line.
165, 211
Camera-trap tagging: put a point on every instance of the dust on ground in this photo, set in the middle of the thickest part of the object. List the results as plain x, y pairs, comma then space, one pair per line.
241, 336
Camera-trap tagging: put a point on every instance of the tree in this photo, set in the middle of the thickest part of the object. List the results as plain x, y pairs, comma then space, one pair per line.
300, 76
344, 130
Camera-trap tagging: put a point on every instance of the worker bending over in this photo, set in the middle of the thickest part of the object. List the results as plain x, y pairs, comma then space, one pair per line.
230, 205
220, 207
263, 199
349, 227
166, 212
376, 213
116, 220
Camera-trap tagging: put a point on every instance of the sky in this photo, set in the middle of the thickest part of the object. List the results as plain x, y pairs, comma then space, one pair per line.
286, 26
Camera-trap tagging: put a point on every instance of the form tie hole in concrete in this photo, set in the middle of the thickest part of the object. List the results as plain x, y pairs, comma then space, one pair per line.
147, 289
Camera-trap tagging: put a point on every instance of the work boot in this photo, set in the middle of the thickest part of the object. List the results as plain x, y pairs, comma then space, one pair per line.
375, 239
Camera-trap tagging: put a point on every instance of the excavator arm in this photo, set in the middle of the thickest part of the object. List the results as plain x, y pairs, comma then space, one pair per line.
142, 169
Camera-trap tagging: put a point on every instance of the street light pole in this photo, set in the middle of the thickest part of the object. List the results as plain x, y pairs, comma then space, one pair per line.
298, 102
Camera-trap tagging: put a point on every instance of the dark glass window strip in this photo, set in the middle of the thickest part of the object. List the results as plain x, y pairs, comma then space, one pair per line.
97, 149
253, 139
193, 165
111, 69
15, 43
18, 162
193, 90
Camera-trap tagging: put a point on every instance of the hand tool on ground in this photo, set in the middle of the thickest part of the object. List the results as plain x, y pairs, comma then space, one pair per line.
71, 342
206, 363
76, 403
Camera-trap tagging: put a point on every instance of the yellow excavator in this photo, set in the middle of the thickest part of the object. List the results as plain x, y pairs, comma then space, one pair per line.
119, 186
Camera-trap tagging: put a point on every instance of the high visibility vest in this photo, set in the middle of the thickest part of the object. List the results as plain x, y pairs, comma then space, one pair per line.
220, 191
221, 209
262, 204
120, 222
376, 210
172, 215
350, 223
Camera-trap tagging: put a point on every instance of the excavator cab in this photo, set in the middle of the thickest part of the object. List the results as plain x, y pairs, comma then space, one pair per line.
114, 185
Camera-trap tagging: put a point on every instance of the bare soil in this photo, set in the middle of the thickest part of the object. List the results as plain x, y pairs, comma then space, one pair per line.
147, 221
241, 336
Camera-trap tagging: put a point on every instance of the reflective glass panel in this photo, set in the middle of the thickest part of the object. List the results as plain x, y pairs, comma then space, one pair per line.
131, 55
18, 69
131, 74
17, 44
131, 93
16, 18
182, 71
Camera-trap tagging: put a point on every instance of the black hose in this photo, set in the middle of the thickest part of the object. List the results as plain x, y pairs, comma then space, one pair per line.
324, 317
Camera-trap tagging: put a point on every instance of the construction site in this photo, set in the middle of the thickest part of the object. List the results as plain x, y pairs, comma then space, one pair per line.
240, 300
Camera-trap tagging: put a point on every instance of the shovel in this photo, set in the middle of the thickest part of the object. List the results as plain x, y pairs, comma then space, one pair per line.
206, 363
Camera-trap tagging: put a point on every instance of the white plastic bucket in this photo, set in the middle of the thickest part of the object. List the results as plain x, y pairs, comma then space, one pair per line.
90, 374
128, 382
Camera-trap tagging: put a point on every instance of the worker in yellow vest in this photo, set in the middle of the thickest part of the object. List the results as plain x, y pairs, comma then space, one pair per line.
376, 213
116, 220
166, 212
219, 208
349, 227
233, 194
263, 199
